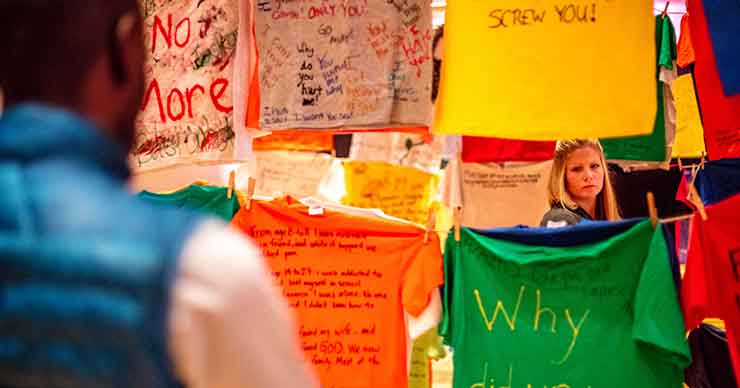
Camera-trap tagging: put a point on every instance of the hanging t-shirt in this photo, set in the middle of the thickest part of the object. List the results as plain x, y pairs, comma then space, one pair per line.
500, 195
686, 54
278, 173
344, 64
207, 199
404, 149
490, 149
683, 192
689, 142
548, 70
631, 189
711, 366
402, 192
718, 180
306, 141
452, 147
601, 314
720, 113
724, 29
349, 280
187, 113
650, 147
711, 284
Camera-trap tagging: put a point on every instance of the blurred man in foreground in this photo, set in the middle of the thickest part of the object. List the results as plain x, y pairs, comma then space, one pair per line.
98, 289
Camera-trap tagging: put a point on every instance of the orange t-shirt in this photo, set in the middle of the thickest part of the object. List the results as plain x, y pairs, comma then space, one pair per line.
349, 280
295, 140
685, 48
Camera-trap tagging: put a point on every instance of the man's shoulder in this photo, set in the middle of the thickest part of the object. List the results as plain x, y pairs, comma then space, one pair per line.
84, 201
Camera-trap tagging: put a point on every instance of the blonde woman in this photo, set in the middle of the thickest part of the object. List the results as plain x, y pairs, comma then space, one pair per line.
579, 186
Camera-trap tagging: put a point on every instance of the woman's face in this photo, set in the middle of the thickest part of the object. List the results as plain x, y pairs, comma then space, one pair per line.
584, 174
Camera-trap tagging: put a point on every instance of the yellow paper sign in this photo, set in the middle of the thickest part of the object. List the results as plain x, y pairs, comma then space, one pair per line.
420, 371
689, 141
548, 69
401, 192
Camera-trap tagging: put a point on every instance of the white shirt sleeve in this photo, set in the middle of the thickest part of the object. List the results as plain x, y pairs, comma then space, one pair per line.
229, 324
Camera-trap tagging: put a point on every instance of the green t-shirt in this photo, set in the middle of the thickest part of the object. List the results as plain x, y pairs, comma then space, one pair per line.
598, 315
207, 199
650, 147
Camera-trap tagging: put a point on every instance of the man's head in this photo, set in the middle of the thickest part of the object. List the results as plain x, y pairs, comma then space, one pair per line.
83, 55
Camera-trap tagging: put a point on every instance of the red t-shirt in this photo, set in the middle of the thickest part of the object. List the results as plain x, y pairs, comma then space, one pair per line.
720, 113
490, 149
711, 287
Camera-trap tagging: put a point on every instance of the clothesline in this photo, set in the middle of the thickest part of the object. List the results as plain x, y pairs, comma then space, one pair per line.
662, 221
432, 215
676, 218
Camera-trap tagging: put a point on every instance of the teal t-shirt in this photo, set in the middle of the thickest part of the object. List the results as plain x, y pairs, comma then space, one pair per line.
208, 199
598, 315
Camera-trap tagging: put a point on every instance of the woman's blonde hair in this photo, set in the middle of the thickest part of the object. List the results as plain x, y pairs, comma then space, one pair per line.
606, 201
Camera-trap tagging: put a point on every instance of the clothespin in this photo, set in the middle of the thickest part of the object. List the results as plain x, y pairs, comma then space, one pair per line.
456, 220
431, 223
703, 155
232, 179
694, 169
680, 165
457, 215
695, 198
652, 210
333, 153
665, 10
251, 185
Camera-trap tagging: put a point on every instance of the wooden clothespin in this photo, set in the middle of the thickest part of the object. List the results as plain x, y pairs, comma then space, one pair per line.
431, 223
333, 153
456, 220
251, 185
695, 198
665, 10
680, 165
703, 156
652, 210
694, 169
232, 180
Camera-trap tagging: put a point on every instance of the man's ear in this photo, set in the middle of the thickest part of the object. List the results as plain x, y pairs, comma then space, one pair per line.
125, 48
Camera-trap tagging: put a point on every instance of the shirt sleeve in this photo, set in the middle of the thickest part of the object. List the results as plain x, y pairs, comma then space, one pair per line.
424, 274
428, 319
229, 325
657, 320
